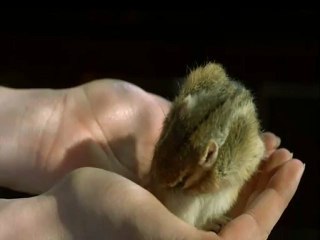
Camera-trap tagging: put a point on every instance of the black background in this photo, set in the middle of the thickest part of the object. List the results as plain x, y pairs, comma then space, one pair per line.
274, 52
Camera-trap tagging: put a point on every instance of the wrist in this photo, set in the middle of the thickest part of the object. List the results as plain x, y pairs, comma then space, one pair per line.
24, 120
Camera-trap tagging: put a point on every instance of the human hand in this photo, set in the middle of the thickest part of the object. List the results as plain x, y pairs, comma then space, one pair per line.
129, 163
91, 203
108, 124
265, 197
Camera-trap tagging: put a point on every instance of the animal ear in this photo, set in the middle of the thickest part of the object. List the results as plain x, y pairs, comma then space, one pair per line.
210, 155
187, 104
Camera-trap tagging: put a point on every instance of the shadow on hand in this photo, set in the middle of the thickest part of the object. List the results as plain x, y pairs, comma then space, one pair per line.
89, 153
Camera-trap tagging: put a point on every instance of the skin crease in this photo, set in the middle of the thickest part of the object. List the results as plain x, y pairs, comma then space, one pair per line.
94, 116
57, 131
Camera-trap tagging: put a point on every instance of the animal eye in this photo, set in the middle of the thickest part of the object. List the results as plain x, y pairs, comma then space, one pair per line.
180, 183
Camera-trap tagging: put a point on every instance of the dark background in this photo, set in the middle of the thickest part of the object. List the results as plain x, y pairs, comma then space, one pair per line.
274, 52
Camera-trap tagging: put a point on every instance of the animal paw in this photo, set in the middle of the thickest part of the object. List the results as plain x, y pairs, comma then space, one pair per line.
217, 224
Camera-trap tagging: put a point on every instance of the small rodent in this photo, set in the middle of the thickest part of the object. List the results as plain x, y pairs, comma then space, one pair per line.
210, 145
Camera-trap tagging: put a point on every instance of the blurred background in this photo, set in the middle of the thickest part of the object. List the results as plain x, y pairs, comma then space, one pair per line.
274, 52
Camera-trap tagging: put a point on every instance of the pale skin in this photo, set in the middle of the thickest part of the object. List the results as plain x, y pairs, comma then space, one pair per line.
87, 150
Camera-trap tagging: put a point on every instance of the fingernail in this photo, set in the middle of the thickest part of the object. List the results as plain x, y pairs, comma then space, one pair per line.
291, 156
302, 170
278, 141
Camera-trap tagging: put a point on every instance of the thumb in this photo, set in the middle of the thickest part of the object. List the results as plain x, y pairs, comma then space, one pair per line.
119, 202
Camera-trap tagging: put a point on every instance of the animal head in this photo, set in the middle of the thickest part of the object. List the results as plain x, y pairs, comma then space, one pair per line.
210, 138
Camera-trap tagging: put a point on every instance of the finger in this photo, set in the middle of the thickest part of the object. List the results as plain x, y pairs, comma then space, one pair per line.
265, 211
260, 180
271, 142
278, 158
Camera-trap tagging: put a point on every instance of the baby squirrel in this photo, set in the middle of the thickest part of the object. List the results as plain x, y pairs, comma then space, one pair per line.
210, 145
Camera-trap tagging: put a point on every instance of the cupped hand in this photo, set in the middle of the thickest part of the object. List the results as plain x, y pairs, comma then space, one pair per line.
111, 125
91, 203
108, 124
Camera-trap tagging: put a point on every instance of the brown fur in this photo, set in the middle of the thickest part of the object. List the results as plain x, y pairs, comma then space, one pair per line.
210, 144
